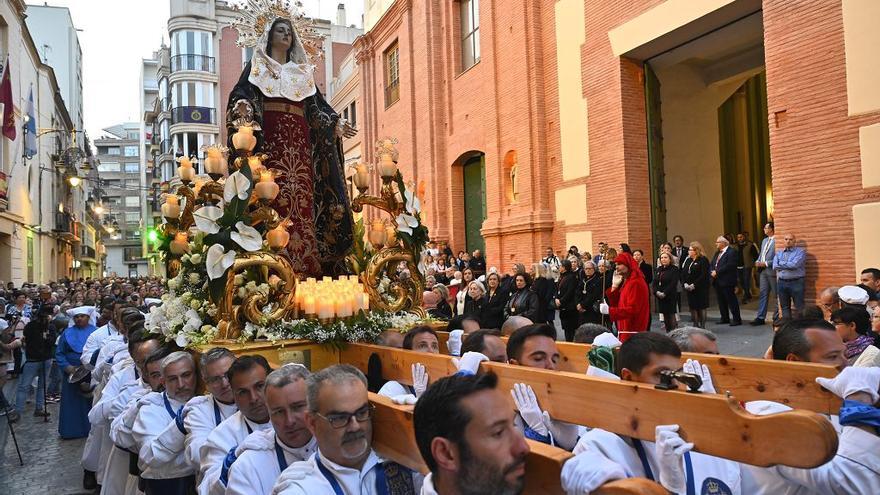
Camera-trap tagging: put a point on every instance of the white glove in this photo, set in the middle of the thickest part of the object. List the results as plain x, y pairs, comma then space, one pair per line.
693, 366
404, 399
603, 308
420, 378
669, 448
607, 339
616, 279
587, 471
454, 342
660, 294
852, 380
527, 405
470, 362
564, 434
150, 399
295, 473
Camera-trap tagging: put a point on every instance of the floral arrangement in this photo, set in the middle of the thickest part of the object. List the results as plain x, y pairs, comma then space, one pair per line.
365, 327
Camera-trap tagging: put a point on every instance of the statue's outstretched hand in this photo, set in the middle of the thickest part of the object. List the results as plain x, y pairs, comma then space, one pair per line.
345, 129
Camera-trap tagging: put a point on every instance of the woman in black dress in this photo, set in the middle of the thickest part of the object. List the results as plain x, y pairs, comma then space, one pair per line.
666, 290
695, 280
523, 302
566, 299
496, 299
590, 296
545, 289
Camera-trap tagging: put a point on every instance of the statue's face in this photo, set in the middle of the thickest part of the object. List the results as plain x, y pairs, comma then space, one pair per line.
281, 38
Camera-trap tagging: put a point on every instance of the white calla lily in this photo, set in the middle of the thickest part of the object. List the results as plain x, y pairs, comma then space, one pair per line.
206, 219
413, 205
236, 185
218, 260
247, 237
181, 340
405, 223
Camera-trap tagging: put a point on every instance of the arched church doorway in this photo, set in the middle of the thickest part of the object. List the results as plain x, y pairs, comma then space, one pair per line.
473, 203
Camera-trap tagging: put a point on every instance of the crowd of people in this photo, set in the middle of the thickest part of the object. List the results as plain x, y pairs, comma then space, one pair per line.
134, 397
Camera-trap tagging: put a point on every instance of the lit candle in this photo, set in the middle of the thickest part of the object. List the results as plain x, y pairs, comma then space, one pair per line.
377, 233
244, 139
215, 164
365, 301
387, 167
180, 244
171, 208
309, 305
267, 188
278, 237
186, 171
361, 177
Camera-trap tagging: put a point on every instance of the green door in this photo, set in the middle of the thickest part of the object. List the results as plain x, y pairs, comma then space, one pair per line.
474, 202
656, 170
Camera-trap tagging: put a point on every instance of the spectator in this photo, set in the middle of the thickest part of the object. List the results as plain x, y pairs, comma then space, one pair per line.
566, 300
829, 302
646, 268
766, 276
492, 315
666, 290
724, 279
628, 301
590, 295
478, 264
678, 249
473, 306
666, 248
695, 281
523, 301
790, 270
870, 277
39, 339
624, 248
854, 327
545, 289
550, 259
461, 296
600, 255
442, 309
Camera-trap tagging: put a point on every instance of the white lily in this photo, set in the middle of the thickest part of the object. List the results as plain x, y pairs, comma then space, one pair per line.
413, 205
181, 340
406, 222
236, 185
218, 260
247, 237
206, 219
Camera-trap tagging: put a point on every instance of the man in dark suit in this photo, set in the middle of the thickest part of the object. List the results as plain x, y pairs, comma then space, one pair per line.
724, 279
679, 250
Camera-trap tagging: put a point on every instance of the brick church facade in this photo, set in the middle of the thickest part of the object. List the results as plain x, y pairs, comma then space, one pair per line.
535, 123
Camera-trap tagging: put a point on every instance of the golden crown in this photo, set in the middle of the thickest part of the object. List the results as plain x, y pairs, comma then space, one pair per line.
255, 15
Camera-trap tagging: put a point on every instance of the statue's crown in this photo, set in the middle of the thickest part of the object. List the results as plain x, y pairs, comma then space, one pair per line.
255, 15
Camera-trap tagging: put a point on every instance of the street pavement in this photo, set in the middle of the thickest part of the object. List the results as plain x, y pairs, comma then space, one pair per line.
52, 466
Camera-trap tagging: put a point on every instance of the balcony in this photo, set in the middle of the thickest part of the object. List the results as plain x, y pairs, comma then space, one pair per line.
193, 115
65, 225
165, 146
87, 252
200, 63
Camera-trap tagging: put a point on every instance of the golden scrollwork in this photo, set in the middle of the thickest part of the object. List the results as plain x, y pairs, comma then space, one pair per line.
406, 291
186, 215
233, 317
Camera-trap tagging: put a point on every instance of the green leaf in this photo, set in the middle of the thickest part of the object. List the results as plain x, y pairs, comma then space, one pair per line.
217, 288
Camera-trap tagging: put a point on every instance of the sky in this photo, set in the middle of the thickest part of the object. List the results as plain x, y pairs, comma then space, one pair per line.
116, 34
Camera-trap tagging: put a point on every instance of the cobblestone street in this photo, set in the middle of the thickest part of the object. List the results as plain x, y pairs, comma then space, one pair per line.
51, 466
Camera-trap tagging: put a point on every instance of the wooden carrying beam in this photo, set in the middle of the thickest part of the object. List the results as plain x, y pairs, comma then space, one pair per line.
747, 379
718, 426
394, 438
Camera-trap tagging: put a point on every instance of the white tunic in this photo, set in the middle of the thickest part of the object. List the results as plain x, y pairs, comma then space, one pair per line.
99, 416
710, 473
854, 469
428, 486
121, 434
95, 341
304, 478
116, 470
256, 469
152, 419
229, 434
200, 421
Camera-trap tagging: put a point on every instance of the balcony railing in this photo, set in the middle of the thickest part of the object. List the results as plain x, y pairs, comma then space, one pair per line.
192, 62
165, 146
87, 252
193, 115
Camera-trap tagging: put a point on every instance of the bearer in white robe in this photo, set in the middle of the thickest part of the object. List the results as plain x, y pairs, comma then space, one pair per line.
247, 376
340, 418
418, 339
117, 465
164, 472
265, 454
121, 427
97, 338
204, 413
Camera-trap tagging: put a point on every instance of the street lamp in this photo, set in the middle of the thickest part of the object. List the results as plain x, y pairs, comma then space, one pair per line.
74, 181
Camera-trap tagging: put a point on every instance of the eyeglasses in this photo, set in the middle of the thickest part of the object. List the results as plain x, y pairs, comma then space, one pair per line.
341, 420
211, 380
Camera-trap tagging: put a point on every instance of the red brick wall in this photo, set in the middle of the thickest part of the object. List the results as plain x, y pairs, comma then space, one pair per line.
230, 67
814, 144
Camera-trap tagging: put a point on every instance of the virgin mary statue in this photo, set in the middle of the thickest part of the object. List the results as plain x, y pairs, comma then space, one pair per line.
299, 132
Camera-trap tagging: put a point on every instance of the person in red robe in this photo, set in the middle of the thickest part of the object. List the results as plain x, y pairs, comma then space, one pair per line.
628, 304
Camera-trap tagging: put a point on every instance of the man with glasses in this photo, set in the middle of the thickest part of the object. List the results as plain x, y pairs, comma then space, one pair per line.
247, 377
790, 264
340, 418
265, 454
204, 413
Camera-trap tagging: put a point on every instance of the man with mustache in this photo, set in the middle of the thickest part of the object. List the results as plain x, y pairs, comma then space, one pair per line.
340, 418
265, 454
160, 474
247, 376
204, 413
466, 434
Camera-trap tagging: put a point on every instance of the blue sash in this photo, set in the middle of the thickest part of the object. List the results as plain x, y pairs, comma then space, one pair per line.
168, 406
217, 417
381, 484
689, 468
282, 462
